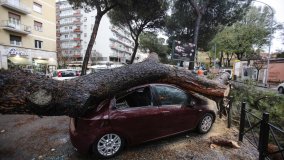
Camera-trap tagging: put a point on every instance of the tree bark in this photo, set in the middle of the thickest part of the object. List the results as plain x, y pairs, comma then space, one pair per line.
134, 50
26, 93
91, 43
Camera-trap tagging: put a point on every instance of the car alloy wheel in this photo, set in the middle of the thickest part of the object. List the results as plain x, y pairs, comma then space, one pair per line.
109, 145
206, 123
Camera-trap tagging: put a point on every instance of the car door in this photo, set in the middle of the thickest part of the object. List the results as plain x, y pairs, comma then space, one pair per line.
178, 115
136, 116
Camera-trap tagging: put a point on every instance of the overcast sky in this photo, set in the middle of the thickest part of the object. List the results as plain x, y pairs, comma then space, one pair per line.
278, 6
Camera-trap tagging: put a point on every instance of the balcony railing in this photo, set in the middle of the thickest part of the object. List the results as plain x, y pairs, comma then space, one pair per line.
66, 23
65, 7
77, 14
14, 27
66, 15
77, 22
15, 6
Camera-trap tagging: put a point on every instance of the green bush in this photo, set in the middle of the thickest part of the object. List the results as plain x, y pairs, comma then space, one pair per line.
259, 101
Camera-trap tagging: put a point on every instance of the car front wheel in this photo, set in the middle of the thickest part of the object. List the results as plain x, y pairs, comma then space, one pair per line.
205, 123
280, 90
108, 145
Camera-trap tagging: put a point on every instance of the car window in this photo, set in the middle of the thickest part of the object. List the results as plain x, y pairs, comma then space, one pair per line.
138, 98
70, 73
171, 95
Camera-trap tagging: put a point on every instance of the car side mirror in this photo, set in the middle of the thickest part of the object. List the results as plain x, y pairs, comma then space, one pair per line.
192, 103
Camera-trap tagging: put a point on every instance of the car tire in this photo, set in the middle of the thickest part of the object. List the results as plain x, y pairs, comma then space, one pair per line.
108, 145
205, 124
280, 90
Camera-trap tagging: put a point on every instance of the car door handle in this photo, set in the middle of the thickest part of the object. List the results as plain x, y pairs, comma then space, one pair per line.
165, 111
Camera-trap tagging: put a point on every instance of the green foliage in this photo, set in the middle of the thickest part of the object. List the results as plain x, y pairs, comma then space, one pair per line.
181, 23
151, 43
280, 55
138, 15
259, 101
242, 37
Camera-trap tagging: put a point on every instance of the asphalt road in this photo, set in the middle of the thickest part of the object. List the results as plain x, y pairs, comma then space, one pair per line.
31, 137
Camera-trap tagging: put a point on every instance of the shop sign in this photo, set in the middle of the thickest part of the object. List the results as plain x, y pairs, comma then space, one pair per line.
14, 52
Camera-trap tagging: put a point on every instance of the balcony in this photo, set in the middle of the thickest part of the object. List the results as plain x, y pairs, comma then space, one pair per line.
117, 47
65, 7
77, 22
15, 6
77, 47
66, 39
121, 32
77, 39
77, 14
66, 23
19, 28
65, 16
77, 30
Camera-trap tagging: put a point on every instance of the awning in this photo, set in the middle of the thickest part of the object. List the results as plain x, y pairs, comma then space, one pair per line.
41, 61
20, 61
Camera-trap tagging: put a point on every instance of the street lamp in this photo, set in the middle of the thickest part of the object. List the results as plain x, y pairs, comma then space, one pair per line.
270, 39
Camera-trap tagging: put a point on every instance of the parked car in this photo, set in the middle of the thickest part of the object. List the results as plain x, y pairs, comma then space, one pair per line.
230, 71
65, 74
139, 115
280, 88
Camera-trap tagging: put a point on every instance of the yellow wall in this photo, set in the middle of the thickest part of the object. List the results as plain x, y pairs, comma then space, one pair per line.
47, 18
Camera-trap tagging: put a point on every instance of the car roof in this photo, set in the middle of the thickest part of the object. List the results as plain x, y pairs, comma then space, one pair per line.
152, 84
66, 70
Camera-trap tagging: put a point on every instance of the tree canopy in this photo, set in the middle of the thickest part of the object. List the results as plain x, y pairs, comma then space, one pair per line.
139, 15
247, 35
149, 42
192, 19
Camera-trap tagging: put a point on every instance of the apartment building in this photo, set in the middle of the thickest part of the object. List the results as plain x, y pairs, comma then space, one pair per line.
74, 28
28, 35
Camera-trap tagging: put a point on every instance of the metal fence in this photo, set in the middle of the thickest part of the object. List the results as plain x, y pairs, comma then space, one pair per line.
261, 134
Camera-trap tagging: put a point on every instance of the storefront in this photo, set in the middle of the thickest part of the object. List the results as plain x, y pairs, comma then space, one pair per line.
22, 58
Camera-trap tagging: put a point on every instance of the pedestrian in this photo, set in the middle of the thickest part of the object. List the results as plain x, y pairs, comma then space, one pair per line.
200, 72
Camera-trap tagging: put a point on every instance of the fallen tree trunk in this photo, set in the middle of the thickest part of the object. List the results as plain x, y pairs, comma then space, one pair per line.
30, 94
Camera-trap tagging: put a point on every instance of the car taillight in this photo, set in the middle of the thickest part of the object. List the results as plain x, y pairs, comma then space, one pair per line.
59, 74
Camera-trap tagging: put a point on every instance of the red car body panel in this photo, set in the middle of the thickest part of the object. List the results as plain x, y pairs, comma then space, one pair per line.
136, 125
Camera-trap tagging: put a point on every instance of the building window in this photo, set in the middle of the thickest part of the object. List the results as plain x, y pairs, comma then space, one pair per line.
14, 20
37, 7
85, 34
15, 40
38, 26
38, 44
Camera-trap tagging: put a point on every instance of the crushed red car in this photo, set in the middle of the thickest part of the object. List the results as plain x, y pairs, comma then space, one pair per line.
138, 115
